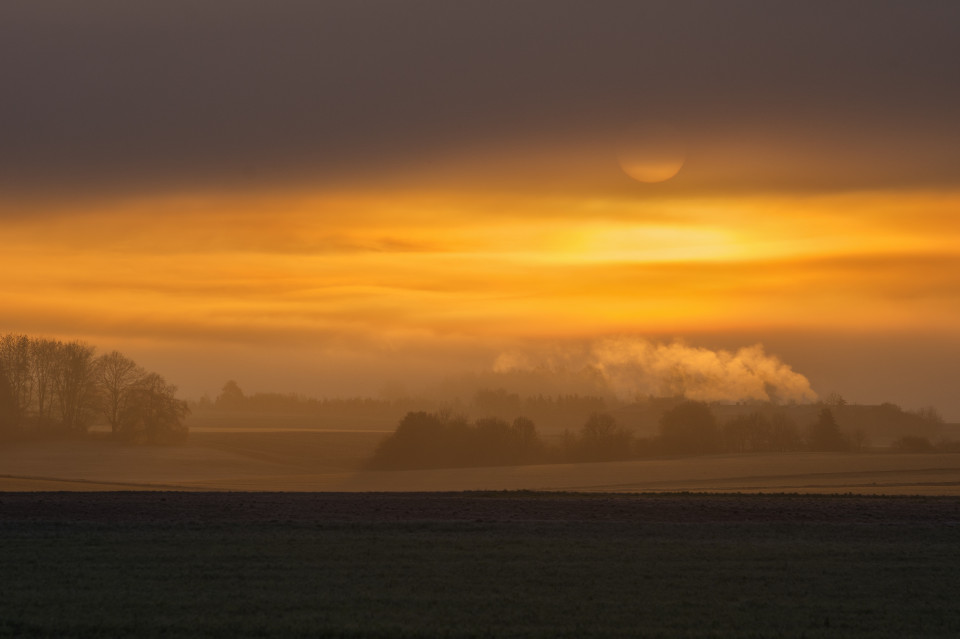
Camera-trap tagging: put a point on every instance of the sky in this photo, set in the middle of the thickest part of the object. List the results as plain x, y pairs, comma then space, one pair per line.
335, 197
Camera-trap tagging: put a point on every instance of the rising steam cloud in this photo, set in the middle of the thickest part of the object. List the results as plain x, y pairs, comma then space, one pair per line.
632, 367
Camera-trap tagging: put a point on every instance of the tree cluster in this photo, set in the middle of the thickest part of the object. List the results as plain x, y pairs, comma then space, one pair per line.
440, 440
501, 403
54, 387
233, 398
560, 411
691, 428
599, 439
687, 428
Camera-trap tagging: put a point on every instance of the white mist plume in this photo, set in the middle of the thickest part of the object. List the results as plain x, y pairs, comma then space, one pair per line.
634, 367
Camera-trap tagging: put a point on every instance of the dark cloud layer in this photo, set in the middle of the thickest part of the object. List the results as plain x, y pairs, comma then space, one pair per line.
106, 94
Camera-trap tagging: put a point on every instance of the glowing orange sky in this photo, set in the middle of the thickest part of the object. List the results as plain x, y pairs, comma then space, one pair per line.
312, 264
377, 189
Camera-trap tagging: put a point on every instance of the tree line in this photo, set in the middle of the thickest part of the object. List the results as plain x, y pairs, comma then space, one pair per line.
233, 398
565, 410
51, 387
444, 440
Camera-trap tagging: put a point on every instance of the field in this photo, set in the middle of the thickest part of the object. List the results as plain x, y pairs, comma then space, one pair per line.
331, 460
129, 564
169, 541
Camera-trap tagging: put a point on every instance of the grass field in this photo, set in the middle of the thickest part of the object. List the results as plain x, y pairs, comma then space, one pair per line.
477, 564
317, 460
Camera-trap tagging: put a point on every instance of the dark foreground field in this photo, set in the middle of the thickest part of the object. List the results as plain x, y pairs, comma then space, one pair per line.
477, 564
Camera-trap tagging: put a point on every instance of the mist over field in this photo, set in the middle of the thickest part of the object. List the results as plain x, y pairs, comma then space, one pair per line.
623, 414
595, 418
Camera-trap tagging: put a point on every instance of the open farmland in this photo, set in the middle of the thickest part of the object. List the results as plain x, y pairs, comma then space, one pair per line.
477, 564
315, 460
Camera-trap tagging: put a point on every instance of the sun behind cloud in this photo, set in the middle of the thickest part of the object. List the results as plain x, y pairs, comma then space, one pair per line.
651, 152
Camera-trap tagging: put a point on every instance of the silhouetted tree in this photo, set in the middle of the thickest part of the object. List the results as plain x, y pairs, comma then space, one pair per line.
784, 434
76, 386
8, 408
757, 433
600, 439
738, 434
44, 362
494, 442
118, 376
443, 440
689, 427
231, 397
530, 448
825, 434
151, 413
49, 385
15, 361
420, 441
498, 443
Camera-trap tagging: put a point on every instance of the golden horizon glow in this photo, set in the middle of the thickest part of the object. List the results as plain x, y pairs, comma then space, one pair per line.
345, 264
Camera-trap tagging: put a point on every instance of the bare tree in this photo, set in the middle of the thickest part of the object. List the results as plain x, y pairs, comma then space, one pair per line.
15, 361
44, 363
151, 413
76, 386
117, 376
48, 383
7, 408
